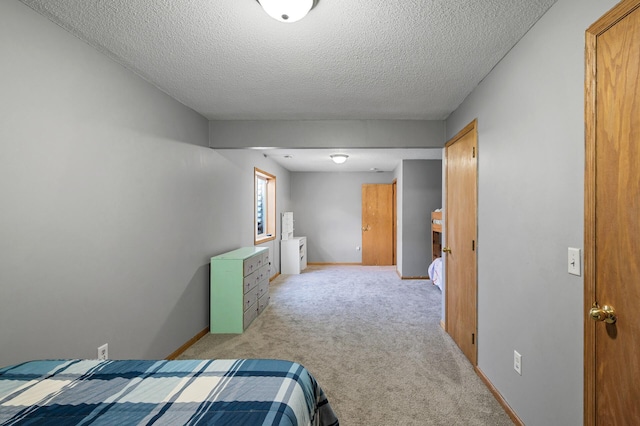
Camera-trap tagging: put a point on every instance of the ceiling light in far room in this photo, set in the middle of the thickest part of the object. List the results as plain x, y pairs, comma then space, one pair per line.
287, 10
339, 158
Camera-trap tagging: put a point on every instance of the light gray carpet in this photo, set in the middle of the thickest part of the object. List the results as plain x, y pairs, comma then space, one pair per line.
373, 342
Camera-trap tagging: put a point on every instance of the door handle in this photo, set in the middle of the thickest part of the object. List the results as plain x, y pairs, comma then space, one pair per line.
446, 249
606, 313
365, 229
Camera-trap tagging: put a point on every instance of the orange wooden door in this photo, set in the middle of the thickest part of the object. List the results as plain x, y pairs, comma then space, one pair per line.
377, 224
461, 287
612, 218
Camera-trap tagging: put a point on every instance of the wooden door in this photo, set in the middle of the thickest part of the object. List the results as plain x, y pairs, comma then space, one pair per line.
377, 224
612, 217
461, 234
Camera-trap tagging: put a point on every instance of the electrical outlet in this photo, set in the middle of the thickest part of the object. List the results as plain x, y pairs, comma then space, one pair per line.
103, 351
517, 362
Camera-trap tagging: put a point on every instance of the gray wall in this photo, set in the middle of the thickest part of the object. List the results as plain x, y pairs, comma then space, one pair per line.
327, 209
327, 134
421, 194
112, 203
531, 167
398, 176
241, 203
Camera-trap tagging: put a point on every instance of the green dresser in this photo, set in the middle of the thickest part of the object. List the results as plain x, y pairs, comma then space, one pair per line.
239, 288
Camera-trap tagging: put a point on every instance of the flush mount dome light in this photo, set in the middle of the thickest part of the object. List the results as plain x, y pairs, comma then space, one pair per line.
287, 10
339, 158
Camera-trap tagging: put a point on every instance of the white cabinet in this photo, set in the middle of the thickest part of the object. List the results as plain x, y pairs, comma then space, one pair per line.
293, 250
293, 255
287, 225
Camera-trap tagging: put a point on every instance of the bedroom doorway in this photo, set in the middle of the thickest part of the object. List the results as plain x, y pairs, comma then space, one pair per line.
612, 224
377, 224
461, 212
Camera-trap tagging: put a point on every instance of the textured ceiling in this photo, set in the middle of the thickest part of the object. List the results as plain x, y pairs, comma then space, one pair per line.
356, 59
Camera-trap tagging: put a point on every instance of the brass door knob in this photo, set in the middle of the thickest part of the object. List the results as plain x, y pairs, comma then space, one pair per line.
606, 313
446, 249
365, 228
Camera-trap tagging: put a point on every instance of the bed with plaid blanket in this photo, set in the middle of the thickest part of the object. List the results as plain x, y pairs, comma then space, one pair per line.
190, 392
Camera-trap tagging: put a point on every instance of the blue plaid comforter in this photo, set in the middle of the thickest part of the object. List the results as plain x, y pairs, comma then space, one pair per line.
192, 392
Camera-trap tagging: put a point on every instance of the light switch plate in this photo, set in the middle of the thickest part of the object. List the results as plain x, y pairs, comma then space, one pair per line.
574, 264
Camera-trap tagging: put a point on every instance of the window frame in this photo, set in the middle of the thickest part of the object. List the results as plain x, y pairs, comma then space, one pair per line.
270, 220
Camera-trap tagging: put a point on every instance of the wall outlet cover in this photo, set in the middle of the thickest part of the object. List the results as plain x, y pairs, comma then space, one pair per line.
103, 352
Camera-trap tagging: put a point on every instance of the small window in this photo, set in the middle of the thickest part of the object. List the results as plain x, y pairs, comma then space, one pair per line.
264, 206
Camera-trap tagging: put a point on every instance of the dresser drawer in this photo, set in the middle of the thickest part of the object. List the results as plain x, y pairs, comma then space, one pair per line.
249, 315
263, 259
263, 273
263, 287
251, 297
252, 280
263, 301
252, 264
256, 277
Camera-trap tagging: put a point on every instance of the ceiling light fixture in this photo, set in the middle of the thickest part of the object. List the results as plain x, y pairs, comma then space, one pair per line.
287, 10
339, 158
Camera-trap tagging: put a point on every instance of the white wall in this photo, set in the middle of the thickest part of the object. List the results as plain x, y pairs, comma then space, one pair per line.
327, 209
531, 167
112, 203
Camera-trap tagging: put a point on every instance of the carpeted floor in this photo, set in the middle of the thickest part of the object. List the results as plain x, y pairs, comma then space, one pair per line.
373, 342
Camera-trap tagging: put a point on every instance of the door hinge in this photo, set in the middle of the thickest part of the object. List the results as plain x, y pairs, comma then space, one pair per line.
473, 245
473, 338
474, 152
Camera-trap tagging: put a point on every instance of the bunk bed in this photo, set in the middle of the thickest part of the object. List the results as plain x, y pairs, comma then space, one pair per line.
435, 268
